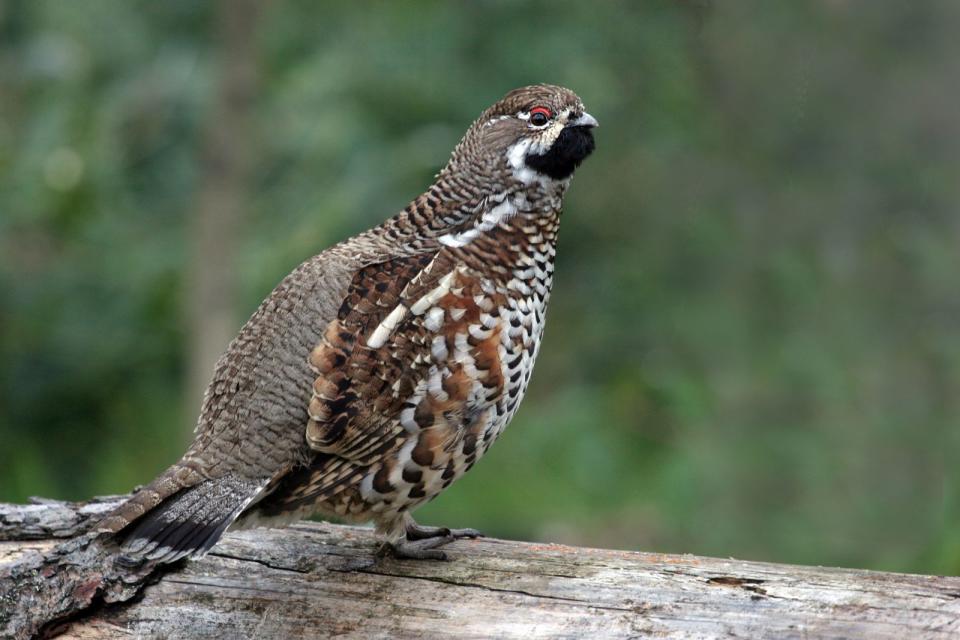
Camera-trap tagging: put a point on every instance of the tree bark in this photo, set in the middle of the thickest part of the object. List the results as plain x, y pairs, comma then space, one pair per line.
320, 580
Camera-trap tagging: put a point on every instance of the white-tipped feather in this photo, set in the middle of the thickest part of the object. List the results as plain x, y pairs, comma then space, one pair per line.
379, 336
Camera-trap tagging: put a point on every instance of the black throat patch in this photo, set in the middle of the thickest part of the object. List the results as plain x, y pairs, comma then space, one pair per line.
568, 151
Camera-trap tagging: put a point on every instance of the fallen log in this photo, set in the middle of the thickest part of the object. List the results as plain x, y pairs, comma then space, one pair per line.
319, 580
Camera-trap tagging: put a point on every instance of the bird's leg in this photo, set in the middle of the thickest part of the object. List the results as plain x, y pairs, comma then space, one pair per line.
420, 543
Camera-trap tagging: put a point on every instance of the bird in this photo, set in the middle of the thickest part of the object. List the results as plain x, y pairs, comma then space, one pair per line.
379, 371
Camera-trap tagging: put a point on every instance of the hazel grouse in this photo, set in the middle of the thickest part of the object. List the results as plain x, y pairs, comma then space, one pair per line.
379, 371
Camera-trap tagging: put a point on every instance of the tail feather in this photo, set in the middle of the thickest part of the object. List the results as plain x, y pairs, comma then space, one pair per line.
166, 526
190, 521
199, 541
170, 482
156, 526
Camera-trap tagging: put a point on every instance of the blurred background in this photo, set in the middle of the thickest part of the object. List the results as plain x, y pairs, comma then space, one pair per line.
754, 342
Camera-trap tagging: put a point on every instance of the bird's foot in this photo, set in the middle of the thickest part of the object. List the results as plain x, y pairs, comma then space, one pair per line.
421, 543
420, 532
425, 549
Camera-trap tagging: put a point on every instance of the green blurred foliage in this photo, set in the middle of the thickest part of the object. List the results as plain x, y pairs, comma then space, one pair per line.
754, 341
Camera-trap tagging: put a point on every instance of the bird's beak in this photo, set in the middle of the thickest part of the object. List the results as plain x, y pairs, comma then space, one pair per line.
585, 120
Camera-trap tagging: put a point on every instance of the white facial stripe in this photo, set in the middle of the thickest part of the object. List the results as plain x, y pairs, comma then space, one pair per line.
517, 152
516, 157
493, 121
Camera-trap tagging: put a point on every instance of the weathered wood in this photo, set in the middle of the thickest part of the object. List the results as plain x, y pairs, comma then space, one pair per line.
45, 519
51, 569
320, 580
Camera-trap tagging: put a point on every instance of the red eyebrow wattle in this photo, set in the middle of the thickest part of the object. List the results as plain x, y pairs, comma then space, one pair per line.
542, 110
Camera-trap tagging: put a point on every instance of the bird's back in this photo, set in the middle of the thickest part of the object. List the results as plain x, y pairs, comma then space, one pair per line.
251, 424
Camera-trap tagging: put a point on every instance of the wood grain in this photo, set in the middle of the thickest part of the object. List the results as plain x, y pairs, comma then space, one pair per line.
319, 580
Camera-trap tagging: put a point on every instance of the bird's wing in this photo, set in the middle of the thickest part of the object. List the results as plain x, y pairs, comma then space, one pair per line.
415, 350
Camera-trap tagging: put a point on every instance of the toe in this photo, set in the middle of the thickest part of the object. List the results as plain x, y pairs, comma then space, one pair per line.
419, 550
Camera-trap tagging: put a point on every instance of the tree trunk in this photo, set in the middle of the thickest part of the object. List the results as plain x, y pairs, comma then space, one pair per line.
320, 580
227, 157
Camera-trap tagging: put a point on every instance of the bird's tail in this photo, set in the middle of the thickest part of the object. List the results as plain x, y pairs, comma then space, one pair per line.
179, 514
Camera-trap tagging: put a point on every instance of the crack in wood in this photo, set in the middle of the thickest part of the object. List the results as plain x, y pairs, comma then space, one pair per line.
262, 563
312, 578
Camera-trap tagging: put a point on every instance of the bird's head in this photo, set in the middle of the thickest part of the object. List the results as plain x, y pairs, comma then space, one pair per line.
537, 134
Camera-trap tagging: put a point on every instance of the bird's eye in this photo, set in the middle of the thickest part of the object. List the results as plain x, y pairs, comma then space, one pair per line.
539, 116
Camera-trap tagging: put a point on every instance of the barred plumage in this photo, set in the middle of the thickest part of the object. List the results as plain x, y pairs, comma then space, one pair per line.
379, 371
